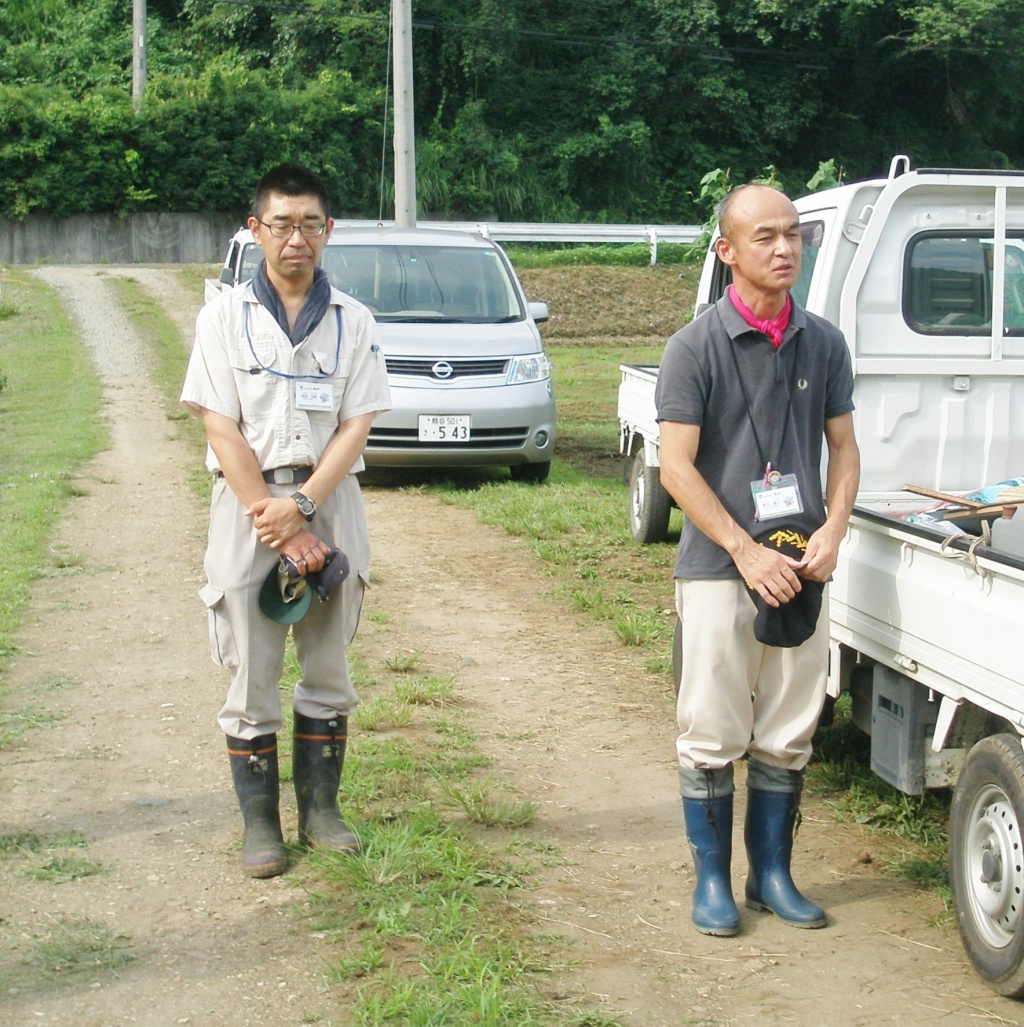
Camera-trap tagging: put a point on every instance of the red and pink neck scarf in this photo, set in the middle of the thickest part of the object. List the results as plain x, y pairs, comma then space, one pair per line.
774, 327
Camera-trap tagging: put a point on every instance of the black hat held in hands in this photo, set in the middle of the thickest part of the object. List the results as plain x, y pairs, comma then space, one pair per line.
792, 623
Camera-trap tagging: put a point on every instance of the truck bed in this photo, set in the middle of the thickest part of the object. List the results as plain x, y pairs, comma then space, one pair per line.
636, 408
944, 611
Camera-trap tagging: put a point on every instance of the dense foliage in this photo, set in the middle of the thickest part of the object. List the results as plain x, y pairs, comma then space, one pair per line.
525, 109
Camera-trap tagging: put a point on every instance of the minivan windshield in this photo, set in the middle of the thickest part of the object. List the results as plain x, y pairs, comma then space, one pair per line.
417, 283
425, 283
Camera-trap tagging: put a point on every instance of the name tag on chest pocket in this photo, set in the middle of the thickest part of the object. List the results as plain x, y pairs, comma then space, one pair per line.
314, 396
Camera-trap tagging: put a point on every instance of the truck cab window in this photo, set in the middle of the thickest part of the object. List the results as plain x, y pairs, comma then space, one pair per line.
948, 284
812, 233
252, 257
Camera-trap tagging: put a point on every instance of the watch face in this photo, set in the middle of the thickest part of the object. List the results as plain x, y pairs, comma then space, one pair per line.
306, 505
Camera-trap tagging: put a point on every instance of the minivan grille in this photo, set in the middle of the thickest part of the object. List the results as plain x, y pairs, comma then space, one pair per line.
430, 368
479, 438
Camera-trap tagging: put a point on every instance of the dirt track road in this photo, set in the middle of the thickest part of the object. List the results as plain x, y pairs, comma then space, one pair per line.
115, 648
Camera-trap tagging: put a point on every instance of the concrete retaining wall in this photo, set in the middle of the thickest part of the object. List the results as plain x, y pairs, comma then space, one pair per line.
203, 239
108, 239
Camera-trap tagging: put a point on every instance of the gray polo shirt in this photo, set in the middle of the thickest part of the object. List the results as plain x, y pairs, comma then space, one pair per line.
790, 393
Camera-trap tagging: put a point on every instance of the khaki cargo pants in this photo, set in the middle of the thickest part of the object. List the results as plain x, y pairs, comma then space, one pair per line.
250, 645
738, 696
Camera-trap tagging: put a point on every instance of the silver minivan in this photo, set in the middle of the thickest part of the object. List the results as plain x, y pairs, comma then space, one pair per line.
469, 378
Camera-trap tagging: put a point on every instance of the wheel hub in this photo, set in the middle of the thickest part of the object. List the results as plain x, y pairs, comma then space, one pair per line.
991, 867
638, 497
996, 868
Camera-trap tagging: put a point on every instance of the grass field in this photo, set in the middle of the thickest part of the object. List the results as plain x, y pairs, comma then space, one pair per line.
49, 424
423, 887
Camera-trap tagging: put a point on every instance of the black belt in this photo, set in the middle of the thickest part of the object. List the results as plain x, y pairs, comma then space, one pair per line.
288, 475
285, 475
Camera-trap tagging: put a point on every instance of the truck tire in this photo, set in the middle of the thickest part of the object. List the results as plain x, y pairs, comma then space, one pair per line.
986, 861
649, 503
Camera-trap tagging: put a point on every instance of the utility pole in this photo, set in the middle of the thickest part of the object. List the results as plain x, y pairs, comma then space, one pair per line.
405, 139
138, 52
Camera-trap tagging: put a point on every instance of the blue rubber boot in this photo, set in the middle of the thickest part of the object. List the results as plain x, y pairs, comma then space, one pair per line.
772, 816
709, 832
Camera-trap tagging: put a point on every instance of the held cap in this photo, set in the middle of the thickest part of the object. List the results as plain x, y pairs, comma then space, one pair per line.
285, 595
792, 623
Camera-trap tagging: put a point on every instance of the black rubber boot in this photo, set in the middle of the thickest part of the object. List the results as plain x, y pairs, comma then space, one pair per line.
318, 754
773, 806
709, 833
254, 771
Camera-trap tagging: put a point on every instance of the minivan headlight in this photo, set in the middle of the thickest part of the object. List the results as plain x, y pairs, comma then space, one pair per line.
533, 368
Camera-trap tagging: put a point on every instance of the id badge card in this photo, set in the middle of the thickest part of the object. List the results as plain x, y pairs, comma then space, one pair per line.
314, 396
776, 495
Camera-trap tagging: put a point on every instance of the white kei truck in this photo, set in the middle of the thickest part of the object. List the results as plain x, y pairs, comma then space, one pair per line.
924, 273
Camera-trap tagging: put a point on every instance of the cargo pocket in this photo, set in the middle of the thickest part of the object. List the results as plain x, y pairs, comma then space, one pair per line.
354, 605
222, 641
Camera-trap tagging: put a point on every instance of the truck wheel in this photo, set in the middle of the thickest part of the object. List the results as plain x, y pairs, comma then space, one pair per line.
649, 504
986, 861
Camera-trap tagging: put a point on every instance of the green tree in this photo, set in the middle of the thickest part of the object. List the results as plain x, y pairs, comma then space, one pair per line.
525, 109
60, 154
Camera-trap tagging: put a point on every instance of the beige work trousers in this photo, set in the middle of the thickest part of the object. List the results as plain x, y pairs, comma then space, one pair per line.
250, 645
738, 696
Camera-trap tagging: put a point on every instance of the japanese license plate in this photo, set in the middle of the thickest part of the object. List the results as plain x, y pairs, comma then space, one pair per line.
444, 427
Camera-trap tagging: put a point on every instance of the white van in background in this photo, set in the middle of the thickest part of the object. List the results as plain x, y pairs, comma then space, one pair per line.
469, 378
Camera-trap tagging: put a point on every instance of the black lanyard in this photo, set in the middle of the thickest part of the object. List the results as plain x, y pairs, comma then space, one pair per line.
765, 463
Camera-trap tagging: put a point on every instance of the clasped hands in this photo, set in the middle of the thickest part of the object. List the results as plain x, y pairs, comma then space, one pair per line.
279, 525
776, 577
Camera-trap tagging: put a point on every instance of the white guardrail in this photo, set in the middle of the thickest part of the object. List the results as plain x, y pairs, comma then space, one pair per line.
508, 231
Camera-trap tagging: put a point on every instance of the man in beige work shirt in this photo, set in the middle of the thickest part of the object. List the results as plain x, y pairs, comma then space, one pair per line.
286, 375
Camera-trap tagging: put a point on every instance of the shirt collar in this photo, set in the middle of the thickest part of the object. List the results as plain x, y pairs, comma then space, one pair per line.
734, 324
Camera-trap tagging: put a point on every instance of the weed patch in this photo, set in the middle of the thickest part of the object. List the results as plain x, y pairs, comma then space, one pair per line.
482, 803
414, 913
57, 865
77, 945
15, 723
840, 772
61, 869
43, 441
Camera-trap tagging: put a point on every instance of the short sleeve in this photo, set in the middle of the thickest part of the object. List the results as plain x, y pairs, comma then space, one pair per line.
839, 392
681, 393
366, 391
209, 382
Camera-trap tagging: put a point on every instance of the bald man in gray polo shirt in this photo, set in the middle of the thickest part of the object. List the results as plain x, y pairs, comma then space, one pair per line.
747, 395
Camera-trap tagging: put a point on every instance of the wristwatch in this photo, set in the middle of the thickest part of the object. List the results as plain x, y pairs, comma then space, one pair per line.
307, 507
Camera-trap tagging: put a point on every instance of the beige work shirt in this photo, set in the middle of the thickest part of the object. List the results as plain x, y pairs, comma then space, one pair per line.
244, 367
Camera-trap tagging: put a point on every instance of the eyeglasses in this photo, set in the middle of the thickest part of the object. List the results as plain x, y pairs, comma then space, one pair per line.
283, 231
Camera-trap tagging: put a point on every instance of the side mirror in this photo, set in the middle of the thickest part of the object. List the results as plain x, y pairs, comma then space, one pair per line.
226, 276
538, 311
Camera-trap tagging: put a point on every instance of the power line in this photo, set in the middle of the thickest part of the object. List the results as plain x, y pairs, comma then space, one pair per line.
813, 60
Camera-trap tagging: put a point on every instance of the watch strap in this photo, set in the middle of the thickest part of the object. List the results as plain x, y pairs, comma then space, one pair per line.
307, 506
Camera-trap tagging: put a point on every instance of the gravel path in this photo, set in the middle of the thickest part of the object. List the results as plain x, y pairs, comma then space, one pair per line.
113, 648
133, 761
